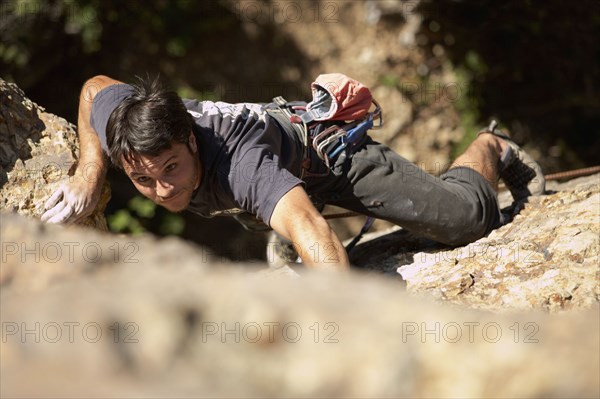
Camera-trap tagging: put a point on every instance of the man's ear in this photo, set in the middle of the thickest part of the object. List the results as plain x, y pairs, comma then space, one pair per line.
192, 143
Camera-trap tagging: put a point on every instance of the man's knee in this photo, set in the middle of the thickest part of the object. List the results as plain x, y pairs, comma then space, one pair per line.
467, 225
473, 211
471, 222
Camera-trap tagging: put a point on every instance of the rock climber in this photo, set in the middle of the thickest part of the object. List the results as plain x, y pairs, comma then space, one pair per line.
253, 162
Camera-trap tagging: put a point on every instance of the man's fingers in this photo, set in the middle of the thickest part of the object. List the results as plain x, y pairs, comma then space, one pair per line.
69, 203
62, 216
54, 211
53, 200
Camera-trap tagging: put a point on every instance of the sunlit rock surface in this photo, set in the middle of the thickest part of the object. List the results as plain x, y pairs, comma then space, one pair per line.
546, 258
38, 151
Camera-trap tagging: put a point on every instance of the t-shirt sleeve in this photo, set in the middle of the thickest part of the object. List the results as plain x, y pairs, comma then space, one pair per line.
104, 104
258, 182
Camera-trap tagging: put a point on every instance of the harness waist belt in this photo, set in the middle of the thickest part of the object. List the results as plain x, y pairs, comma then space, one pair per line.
284, 121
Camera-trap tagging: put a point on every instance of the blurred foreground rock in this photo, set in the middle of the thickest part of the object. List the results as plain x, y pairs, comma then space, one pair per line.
90, 314
38, 151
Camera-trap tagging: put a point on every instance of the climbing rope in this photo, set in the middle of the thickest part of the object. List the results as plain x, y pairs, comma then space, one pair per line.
573, 173
568, 174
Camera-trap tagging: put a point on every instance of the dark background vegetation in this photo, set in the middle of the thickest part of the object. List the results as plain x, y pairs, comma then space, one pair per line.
542, 55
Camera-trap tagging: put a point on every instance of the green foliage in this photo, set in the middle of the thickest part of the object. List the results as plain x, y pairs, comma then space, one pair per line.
389, 80
176, 47
123, 221
172, 224
83, 19
186, 91
140, 216
11, 54
142, 206
473, 65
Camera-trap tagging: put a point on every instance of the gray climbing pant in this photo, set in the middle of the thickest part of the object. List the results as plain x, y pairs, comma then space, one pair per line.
456, 208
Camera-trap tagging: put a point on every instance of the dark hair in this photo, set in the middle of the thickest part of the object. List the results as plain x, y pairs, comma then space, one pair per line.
147, 123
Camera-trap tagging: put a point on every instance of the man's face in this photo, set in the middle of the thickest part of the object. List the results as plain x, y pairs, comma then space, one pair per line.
168, 179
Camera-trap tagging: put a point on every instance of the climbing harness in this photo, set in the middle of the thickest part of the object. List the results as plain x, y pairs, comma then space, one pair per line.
341, 101
338, 100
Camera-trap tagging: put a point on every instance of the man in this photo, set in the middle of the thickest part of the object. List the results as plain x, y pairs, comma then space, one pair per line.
214, 158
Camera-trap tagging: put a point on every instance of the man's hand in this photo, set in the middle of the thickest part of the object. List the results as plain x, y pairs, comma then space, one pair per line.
296, 219
78, 197
74, 200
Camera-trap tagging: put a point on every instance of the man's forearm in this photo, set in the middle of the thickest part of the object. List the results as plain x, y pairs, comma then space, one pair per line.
318, 245
296, 219
92, 165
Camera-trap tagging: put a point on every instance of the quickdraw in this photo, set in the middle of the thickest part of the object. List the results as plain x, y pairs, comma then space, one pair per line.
333, 140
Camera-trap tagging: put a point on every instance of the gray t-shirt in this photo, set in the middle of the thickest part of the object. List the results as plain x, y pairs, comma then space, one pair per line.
248, 161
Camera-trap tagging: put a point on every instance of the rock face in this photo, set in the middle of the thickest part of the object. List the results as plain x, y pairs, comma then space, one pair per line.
38, 151
546, 258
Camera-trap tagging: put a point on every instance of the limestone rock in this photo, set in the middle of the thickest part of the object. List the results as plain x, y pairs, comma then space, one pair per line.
38, 151
163, 320
546, 258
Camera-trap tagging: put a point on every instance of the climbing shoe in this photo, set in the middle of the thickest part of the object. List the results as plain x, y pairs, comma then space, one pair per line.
521, 174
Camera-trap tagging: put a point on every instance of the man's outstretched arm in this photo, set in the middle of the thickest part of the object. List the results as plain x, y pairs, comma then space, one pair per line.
78, 197
298, 220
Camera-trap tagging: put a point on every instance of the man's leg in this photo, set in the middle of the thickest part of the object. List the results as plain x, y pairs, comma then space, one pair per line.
457, 208
500, 157
483, 155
